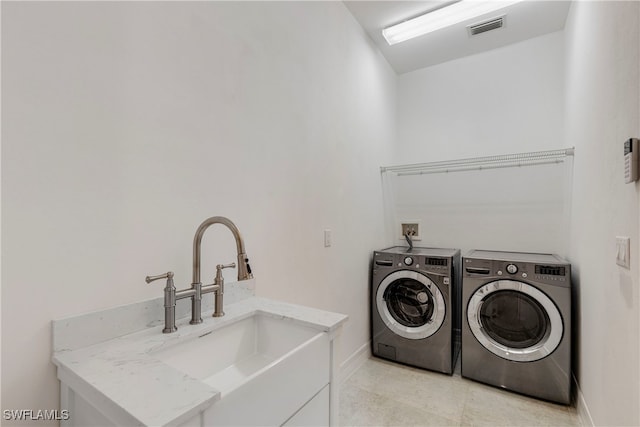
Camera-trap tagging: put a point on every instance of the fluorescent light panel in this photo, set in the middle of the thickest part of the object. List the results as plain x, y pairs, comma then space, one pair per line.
441, 18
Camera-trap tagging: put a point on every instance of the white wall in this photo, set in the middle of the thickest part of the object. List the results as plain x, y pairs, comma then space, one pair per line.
602, 110
127, 124
508, 100
509, 209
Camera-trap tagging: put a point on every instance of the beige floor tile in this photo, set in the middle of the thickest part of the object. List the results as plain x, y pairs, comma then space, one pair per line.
428, 391
360, 407
382, 393
489, 406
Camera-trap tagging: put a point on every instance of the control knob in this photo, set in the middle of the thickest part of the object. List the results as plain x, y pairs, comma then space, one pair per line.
512, 269
408, 260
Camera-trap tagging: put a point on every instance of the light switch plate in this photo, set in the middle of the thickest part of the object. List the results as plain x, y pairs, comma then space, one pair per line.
327, 238
623, 251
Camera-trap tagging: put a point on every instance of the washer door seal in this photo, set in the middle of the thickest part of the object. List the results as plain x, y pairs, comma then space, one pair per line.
515, 320
410, 289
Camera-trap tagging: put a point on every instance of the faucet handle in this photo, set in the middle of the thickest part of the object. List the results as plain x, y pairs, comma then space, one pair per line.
168, 275
169, 301
219, 268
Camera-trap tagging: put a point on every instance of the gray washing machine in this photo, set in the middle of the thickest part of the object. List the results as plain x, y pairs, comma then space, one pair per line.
516, 322
415, 301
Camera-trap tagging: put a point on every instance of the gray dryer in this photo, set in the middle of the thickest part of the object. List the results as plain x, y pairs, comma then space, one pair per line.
516, 322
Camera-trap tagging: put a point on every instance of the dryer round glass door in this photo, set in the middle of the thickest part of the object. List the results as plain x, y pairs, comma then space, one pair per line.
410, 304
515, 320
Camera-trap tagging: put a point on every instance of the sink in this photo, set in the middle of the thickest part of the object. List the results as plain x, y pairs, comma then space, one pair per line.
264, 367
225, 358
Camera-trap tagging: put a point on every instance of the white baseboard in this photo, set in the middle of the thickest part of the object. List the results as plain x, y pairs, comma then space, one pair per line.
581, 406
353, 362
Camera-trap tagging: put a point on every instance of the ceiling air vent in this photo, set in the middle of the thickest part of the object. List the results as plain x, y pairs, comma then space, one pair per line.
483, 27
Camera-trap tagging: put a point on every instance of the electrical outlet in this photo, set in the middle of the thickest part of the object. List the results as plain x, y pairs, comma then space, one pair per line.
411, 227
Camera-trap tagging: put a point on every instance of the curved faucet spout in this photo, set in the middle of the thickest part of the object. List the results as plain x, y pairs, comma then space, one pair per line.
244, 270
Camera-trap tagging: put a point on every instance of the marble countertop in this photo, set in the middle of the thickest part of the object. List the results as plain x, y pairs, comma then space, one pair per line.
121, 373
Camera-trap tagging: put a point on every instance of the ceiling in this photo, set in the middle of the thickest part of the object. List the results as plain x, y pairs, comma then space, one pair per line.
524, 20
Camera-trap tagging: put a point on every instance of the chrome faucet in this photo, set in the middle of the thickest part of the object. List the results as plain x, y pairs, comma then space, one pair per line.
244, 270
197, 289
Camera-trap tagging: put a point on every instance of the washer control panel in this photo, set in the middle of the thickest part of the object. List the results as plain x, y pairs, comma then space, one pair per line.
417, 261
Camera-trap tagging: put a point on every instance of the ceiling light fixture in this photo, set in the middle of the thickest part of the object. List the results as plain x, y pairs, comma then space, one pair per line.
441, 18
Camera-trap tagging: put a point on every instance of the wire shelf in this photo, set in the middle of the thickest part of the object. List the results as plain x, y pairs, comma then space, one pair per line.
481, 163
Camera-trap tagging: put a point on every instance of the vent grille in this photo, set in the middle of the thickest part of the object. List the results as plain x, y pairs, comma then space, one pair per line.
483, 27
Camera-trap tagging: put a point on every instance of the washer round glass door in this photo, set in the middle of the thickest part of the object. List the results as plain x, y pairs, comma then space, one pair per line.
515, 320
410, 304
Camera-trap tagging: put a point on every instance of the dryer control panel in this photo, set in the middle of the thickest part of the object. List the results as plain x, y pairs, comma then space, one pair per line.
554, 274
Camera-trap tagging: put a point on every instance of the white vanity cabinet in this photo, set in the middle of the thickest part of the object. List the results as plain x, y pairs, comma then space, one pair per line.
314, 413
84, 413
265, 363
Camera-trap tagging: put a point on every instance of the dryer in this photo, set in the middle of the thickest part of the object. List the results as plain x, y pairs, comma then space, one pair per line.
516, 328
415, 299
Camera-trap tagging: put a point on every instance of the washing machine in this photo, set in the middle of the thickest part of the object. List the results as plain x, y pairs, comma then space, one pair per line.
516, 328
415, 299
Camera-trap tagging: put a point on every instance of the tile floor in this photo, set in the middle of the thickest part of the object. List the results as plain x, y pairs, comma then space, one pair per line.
382, 393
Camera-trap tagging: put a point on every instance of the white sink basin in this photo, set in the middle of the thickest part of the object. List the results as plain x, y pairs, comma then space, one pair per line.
264, 368
227, 357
